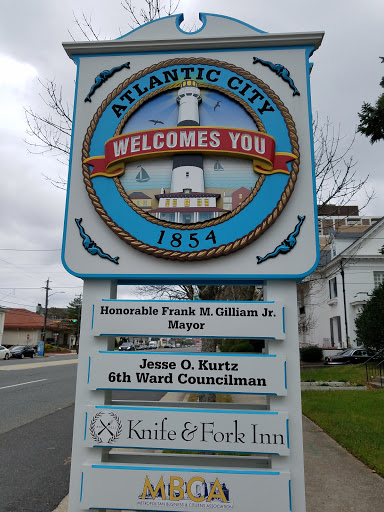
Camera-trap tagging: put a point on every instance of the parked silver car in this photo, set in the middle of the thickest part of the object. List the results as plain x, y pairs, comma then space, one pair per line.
4, 353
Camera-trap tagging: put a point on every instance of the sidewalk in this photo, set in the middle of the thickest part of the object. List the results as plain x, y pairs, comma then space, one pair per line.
335, 480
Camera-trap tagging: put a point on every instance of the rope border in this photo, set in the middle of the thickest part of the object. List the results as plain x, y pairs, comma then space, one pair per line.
215, 251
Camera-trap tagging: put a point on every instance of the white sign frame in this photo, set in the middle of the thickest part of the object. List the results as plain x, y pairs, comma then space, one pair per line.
104, 486
125, 248
259, 320
167, 428
109, 370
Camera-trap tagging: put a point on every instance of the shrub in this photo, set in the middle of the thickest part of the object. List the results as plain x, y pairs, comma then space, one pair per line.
311, 354
242, 346
48, 347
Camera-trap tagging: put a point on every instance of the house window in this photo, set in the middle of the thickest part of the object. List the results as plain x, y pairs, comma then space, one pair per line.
354, 221
378, 278
206, 202
199, 202
186, 202
145, 202
335, 325
332, 288
167, 202
187, 190
172, 217
320, 225
174, 202
240, 196
187, 174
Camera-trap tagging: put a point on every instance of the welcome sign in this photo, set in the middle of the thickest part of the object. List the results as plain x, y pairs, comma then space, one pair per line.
195, 163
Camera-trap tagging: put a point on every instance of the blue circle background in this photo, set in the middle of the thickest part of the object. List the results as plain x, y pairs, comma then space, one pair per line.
229, 114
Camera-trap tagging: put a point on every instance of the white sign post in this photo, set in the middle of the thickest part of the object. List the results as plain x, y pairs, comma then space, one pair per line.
191, 163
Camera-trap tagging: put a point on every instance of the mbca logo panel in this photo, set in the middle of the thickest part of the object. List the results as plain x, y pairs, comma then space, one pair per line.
196, 490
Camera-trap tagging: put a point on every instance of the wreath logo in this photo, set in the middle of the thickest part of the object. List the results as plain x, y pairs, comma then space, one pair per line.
105, 428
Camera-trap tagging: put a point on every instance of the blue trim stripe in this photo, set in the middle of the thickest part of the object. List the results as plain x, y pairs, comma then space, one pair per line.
290, 495
187, 390
233, 450
284, 320
189, 470
308, 52
85, 426
144, 25
63, 246
196, 354
285, 374
235, 20
288, 433
180, 19
249, 49
93, 316
125, 333
177, 409
228, 451
81, 486
191, 302
89, 369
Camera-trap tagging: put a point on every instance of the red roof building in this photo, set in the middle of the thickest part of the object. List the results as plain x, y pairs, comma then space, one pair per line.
23, 327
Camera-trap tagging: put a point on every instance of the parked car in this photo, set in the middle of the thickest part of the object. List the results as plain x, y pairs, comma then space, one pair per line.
349, 356
127, 347
152, 345
22, 351
4, 353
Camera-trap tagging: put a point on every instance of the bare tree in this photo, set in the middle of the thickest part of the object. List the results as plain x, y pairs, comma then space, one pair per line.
337, 180
154, 9
49, 129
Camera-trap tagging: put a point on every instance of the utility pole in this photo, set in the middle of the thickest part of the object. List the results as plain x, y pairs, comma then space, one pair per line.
344, 302
47, 288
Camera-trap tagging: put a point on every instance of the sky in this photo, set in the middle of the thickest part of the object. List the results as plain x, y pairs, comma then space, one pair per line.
347, 71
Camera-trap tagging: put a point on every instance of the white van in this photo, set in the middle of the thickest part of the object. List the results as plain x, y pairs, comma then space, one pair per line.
152, 344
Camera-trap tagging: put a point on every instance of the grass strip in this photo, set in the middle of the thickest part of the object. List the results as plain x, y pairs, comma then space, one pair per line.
355, 374
353, 419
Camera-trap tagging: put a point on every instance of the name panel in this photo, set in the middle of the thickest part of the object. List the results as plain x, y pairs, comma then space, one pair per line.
104, 486
187, 429
189, 318
188, 372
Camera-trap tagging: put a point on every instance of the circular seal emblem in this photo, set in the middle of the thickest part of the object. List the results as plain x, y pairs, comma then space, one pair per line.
190, 159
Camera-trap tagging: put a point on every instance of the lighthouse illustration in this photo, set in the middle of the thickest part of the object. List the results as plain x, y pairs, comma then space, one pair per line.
187, 202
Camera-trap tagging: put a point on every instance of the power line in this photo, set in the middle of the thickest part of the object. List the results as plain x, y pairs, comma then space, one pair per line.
31, 250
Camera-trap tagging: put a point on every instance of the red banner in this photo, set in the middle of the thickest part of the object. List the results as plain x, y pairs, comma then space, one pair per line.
231, 142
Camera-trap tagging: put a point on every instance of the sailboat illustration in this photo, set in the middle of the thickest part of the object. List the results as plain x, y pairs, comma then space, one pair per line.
218, 166
142, 175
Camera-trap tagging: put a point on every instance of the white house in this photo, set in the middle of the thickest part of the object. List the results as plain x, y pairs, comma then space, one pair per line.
332, 296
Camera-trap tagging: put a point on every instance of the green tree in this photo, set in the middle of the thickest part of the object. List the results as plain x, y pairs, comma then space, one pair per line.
372, 118
370, 321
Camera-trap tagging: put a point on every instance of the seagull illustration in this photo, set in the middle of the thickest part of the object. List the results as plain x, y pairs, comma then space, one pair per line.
217, 105
155, 121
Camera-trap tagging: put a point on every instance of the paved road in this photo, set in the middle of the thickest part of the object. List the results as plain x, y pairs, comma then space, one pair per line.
36, 422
